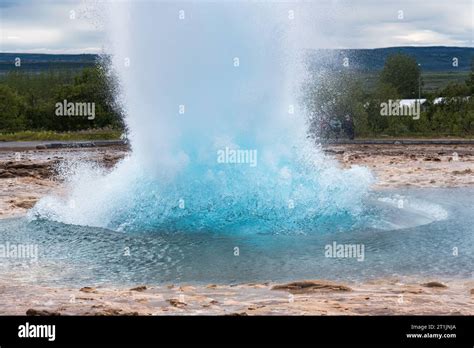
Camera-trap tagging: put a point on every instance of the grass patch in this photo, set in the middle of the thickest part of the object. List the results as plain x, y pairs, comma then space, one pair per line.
415, 136
59, 136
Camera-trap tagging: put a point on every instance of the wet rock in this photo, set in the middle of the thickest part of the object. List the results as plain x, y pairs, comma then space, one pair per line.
111, 160
413, 291
115, 312
41, 312
336, 152
236, 314
176, 303
12, 169
434, 285
255, 307
461, 172
139, 288
310, 286
434, 159
25, 203
88, 289
5, 174
353, 157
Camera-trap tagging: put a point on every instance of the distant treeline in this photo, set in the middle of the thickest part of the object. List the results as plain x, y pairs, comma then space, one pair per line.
340, 106
28, 100
338, 103
35, 62
432, 58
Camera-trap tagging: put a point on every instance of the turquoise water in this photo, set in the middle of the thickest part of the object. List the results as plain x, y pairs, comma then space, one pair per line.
227, 76
416, 239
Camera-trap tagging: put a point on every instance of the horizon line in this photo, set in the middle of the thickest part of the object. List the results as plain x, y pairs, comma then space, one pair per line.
319, 48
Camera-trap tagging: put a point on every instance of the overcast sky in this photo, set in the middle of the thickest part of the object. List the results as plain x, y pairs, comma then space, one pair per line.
46, 26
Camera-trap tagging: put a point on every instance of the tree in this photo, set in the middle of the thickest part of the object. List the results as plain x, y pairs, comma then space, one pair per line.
455, 90
91, 86
470, 81
403, 73
12, 108
382, 94
335, 103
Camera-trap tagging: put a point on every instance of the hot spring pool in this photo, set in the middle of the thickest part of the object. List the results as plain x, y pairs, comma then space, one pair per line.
429, 234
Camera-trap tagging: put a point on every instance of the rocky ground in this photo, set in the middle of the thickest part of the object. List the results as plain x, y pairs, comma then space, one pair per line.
381, 297
27, 176
411, 165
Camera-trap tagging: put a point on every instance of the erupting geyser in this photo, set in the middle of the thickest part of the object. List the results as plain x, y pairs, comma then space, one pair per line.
217, 128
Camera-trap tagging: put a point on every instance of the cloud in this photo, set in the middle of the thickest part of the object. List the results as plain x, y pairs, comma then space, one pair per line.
370, 24
47, 26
